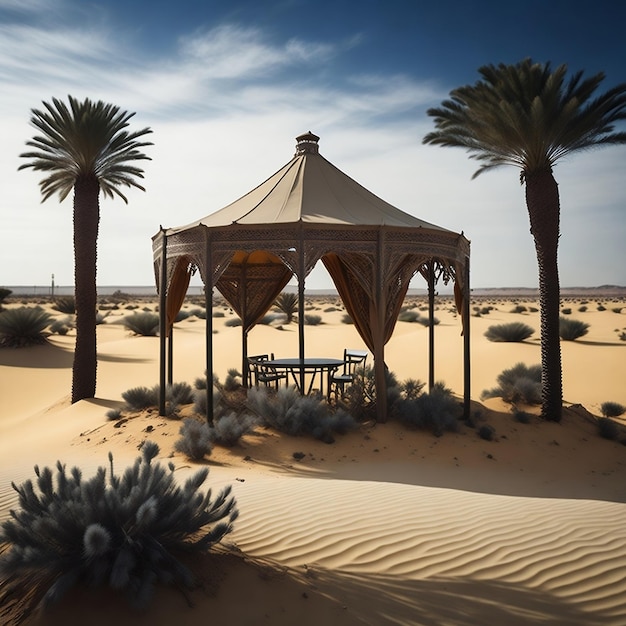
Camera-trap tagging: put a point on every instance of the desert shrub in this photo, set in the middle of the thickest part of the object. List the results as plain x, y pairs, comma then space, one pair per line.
408, 316
486, 432
360, 396
346, 319
219, 314
267, 319
607, 428
200, 396
181, 315
24, 326
425, 321
181, 393
331, 309
436, 411
521, 416
125, 532
233, 322
195, 441
61, 327
200, 383
290, 412
519, 308
312, 320
617, 309
199, 312
228, 429
144, 324
582, 309
139, 398
612, 409
570, 330
232, 380
100, 318
566, 311
412, 388
518, 384
114, 414
66, 304
340, 422
513, 332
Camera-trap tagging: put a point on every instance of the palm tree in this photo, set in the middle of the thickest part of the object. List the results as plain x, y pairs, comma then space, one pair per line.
287, 303
529, 116
87, 148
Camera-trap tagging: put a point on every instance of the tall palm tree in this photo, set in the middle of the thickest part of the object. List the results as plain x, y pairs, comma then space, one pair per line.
87, 148
529, 116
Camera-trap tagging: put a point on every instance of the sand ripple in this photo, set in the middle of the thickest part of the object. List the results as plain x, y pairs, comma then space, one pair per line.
573, 549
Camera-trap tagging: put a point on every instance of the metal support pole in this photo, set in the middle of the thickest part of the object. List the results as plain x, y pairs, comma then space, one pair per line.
162, 322
243, 307
208, 335
301, 260
170, 357
431, 326
380, 307
466, 342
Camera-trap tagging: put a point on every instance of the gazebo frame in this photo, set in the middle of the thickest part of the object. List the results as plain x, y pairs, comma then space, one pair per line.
371, 265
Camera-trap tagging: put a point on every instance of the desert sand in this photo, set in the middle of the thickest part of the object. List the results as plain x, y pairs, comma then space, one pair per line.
384, 526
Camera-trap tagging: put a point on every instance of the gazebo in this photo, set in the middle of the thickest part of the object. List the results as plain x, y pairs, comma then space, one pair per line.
308, 211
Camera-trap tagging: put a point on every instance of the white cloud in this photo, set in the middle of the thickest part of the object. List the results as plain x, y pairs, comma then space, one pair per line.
27, 6
233, 52
225, 111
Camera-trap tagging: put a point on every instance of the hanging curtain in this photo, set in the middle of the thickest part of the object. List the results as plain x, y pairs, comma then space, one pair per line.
177, 290
361, 306
251, 283
459, 289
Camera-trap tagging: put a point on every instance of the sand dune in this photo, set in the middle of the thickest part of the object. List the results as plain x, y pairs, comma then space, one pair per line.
385, 526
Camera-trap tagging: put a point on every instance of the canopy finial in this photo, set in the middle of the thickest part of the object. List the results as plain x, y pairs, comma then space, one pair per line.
307, 143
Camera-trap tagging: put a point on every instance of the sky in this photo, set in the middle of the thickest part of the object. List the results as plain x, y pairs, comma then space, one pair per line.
226, 86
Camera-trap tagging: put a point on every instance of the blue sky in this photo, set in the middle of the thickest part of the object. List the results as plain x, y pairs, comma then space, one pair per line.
227, 86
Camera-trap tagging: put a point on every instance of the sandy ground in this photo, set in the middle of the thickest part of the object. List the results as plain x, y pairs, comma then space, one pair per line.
386, 525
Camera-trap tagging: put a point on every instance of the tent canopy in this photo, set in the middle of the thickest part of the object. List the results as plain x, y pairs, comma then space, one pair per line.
312, 190
309, 210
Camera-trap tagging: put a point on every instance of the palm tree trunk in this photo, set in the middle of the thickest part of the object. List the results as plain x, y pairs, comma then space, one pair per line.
542, 201
86, 220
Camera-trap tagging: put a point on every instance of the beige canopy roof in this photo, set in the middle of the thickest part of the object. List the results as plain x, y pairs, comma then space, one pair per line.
312, 190
309, 210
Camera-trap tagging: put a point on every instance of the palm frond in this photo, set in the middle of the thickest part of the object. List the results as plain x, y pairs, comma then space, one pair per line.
528, 115
87, 139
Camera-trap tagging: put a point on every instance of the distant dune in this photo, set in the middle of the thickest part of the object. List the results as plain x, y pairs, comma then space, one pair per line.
150, 291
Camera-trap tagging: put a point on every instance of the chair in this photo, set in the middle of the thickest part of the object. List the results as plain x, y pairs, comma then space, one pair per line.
258, 372
338, 381
253, 371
